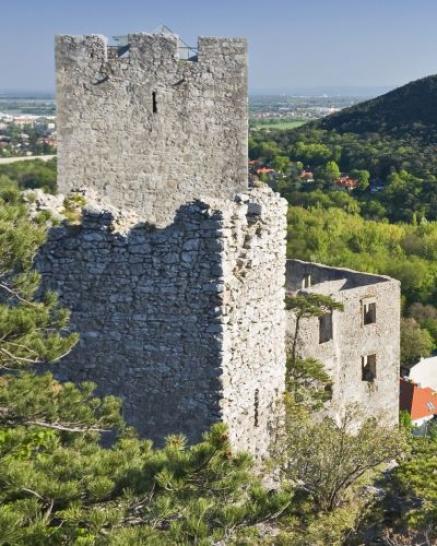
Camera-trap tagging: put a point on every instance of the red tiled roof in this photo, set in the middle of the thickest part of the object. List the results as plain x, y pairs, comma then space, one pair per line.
347, 182
418, 401
264, 170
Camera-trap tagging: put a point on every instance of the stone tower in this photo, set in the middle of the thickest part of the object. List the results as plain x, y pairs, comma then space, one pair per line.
175, 275
149, 128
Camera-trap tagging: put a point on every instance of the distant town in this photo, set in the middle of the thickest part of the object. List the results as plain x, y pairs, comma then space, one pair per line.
288, 112
28, 123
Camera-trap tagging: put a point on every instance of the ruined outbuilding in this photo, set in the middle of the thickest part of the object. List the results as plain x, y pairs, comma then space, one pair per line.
359, 346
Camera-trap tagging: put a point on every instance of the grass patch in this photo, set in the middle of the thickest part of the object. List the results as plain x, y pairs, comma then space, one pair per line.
280, 124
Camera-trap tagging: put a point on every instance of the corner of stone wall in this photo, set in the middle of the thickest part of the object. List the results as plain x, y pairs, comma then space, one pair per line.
254, 318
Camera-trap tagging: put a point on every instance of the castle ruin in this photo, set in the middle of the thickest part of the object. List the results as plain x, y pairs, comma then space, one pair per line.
147, 128
175, 276
359, 345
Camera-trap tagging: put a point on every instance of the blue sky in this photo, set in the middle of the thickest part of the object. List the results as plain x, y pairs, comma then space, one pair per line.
293, 44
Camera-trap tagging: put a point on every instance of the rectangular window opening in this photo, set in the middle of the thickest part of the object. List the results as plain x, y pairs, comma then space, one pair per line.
306, 281
325, 328
369, 313
155, 105
123, 52
256, 408
368, 368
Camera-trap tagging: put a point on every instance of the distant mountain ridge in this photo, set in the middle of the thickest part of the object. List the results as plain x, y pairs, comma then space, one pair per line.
323, 91
407, 112
26, 94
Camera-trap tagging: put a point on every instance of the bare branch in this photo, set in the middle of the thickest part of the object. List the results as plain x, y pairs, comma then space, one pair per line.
17, 295
66, 428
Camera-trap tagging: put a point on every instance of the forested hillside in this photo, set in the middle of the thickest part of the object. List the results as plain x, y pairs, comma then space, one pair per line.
395, 180
362, 190
406, 113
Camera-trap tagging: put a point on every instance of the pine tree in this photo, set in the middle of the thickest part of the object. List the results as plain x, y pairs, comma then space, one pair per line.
306, 378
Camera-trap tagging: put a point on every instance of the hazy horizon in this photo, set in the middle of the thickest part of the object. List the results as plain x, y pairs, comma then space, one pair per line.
320, 91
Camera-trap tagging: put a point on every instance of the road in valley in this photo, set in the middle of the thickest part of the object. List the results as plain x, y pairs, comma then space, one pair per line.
6, 160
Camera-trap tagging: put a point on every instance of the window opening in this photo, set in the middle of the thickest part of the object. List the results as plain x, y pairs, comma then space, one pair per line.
369, 313
368, 368
256, 408
325, 328
155, 105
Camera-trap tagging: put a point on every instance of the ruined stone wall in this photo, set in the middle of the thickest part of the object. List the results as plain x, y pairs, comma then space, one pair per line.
327, 278
148, 131
254, 318
185, 322
353, 339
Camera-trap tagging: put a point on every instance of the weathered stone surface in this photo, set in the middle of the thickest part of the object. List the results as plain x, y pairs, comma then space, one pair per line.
151, 132
175, 275
186, 325
352, 338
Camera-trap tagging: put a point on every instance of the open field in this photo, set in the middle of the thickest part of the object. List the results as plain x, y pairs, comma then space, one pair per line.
276, 124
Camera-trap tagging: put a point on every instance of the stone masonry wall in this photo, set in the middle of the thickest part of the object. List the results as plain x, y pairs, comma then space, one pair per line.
149, 131
254, 318
353, 339
185, 322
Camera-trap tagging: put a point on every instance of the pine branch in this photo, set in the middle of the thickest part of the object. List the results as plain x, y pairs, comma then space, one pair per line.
64, 427
17, 295
20, 358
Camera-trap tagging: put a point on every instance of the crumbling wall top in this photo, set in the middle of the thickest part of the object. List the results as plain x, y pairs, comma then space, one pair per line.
147, 47
314, 276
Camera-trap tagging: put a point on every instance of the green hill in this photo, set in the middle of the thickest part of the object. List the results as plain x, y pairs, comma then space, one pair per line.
407, 112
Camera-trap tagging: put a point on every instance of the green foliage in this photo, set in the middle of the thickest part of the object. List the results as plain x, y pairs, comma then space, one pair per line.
324, 528
315, 154
281, 163
73, 205
415, 481
30, 174
332, 236
405, 421
397, 176
426, 317
30, 329
308, 382
61, 492
408, 111
322, 200
416, 342
307, 304
325, 460
363, 177
25, 397
331, 171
